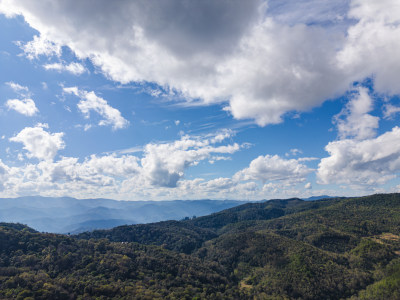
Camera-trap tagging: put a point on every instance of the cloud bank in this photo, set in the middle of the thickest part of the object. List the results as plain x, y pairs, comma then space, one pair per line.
365, 163
160, 168
261, 60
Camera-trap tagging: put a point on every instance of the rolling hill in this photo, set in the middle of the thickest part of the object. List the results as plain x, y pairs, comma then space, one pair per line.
280, 249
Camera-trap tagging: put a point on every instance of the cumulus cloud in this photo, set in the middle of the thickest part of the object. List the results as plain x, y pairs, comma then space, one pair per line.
26, 107
159, 168
90, 101
157, 173
364, 163
74, 68
39, 143
274, 168
4, 170
372, 44
263, 61
354, 121
359, 158
40, 46
93, 170
164, 164
279, 69
208, 51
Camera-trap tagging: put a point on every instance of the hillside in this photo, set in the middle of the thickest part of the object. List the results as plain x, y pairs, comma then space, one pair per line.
281, 249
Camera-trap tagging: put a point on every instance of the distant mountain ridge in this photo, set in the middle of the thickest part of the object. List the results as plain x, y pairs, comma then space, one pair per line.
313, 198
70, 215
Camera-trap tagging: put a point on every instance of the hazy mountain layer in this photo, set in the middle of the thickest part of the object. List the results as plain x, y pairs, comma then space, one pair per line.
69, 215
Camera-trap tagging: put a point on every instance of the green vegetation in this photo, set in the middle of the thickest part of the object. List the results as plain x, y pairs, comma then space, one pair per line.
172, 235
281, 249
48, 266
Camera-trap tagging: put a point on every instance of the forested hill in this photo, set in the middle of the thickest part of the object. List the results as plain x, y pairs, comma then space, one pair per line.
280, 249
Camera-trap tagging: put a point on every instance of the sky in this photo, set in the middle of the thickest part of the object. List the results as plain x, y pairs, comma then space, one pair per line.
181, 99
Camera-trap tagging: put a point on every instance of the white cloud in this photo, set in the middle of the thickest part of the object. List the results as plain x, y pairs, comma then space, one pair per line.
4, 173
219, 188
260, 64
373, 43
213, 159
293, 152
308, 186
222, 135
74, 68
389, 111
89, 101
95, 176
26, 107
87, 127
360, 159
357, 123
211, 51
19, 89
155, 172
263, 62
164, 164
71, 90
364, 163
274, 168
40, 46
39, 143
278, 69
94, 170
220, 184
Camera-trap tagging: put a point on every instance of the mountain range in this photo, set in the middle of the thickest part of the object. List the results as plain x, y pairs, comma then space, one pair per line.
70, 215
338, 248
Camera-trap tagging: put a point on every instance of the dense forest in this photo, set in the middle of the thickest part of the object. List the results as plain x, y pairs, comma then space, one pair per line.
338, 248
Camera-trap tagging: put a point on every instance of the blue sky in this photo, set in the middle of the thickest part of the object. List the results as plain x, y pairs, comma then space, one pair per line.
154, 100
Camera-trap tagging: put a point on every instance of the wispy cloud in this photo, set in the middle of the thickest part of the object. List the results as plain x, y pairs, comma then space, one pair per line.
74, 68
91, 102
